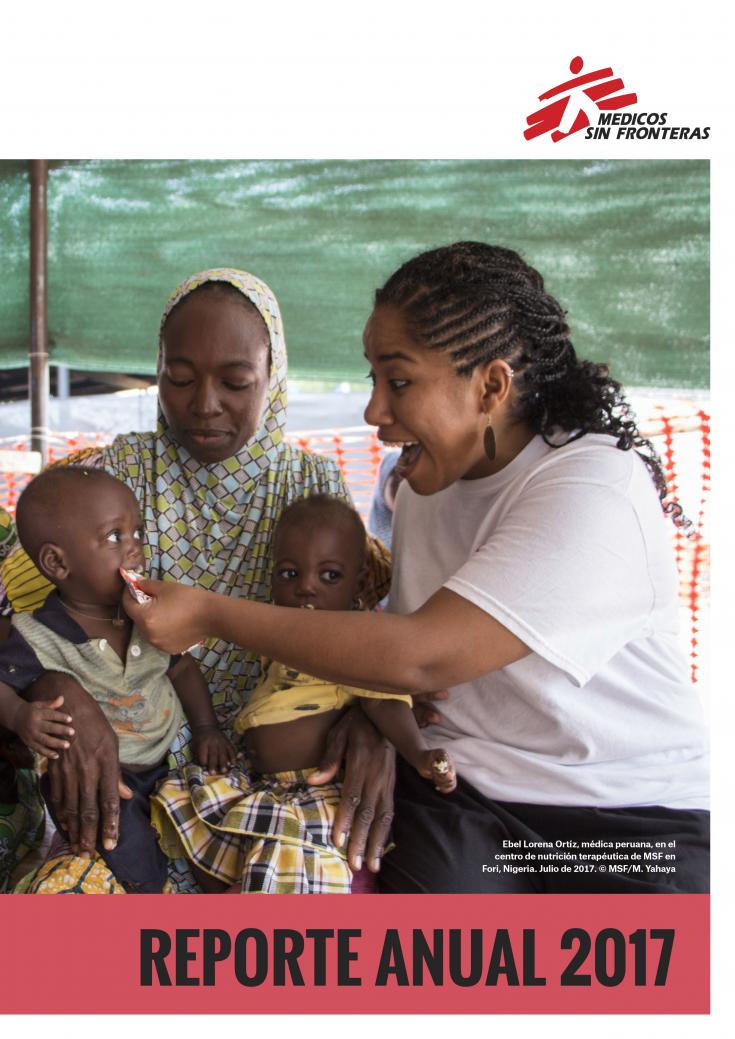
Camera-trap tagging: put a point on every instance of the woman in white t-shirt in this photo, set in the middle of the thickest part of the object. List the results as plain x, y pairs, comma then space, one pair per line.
534, 578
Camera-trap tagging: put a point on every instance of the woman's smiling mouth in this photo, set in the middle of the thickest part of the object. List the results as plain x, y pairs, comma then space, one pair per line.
410, 454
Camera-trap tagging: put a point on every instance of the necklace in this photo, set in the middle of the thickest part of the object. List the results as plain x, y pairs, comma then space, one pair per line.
117, 621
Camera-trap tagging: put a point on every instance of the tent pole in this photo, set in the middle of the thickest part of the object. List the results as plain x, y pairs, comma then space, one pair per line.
38, 359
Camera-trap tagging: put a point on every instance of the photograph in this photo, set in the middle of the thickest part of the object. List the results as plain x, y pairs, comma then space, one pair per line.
449, 401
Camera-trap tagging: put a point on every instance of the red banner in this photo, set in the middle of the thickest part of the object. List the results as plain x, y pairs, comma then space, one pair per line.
356, 954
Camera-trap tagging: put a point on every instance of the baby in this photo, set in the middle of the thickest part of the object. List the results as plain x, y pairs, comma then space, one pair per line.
80, 527
263, 827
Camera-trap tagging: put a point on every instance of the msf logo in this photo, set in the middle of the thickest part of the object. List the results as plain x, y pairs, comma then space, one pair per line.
575, 104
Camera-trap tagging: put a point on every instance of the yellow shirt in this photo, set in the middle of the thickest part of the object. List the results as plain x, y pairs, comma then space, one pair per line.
285, 695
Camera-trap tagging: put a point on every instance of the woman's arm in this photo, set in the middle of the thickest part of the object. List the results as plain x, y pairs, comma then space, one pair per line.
446, 642
85, 781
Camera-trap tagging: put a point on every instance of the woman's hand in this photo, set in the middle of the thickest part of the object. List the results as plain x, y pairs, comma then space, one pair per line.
85, 779
365, 812
175, 619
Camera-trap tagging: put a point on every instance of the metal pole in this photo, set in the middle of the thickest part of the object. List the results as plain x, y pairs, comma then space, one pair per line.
38, 369
62, 381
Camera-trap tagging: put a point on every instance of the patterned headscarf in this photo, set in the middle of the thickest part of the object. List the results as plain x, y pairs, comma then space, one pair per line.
8, 535
211, 525
257, 454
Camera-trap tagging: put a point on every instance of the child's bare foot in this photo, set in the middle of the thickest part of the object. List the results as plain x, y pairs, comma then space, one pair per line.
437, 767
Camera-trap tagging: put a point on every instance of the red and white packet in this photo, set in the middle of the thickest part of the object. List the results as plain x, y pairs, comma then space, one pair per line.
131, 579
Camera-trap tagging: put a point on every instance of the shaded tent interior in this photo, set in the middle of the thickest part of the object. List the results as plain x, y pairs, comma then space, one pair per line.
624, 245
80, 383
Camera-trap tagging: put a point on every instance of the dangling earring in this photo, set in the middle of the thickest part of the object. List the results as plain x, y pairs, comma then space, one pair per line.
357, 603
489, 442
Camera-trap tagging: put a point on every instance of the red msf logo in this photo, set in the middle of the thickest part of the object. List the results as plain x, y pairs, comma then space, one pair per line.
577, 103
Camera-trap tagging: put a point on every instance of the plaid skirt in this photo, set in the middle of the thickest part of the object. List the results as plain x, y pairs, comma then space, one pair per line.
266, 833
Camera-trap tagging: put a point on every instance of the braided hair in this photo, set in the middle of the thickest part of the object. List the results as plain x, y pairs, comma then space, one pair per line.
480, 302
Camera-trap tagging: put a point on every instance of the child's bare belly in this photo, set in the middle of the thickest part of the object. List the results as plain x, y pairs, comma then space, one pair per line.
289, 745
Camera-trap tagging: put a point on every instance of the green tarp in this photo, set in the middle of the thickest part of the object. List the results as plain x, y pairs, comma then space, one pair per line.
624, 245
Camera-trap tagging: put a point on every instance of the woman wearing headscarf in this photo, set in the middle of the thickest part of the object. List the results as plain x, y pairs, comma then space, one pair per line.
211, 482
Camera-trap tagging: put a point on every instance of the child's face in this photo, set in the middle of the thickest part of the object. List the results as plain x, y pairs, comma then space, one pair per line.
102, 532
317, 565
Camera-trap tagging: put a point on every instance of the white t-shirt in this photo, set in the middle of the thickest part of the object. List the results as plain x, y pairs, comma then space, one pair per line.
567, 548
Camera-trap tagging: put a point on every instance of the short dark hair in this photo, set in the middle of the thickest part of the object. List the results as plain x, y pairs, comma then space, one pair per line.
323, 506
44, 499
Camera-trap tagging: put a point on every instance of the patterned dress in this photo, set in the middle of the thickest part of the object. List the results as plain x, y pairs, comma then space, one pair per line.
211, 525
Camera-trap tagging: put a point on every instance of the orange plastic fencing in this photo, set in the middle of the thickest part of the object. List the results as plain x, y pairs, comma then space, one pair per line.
682, 440
60, 445
683, 443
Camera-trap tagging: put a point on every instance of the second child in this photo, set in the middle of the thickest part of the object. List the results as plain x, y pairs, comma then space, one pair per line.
262, 827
